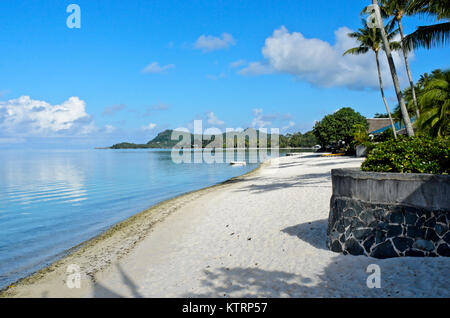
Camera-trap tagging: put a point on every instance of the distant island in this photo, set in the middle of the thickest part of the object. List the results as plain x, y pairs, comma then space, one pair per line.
164, 141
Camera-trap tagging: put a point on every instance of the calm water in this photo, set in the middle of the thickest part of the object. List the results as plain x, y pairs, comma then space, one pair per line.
51, 201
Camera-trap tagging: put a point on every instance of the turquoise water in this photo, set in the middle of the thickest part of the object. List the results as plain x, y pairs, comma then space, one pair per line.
51, 201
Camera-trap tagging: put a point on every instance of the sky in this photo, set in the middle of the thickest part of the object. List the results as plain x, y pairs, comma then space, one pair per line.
134, 68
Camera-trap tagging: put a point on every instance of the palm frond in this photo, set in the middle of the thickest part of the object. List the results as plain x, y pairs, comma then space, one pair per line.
395, 46
390, 25
357, 50
428, 36
438, 8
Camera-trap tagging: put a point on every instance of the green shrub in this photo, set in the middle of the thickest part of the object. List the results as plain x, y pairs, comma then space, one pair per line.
385, 135
410, 155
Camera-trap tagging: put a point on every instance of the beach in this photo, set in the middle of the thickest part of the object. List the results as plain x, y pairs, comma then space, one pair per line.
259, 235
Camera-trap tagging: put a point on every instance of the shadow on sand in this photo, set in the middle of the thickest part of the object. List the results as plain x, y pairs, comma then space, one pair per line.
101, 291
342, 276
313, 233
303, 180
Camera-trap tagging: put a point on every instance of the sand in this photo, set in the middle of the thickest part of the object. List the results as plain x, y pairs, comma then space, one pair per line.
260, 235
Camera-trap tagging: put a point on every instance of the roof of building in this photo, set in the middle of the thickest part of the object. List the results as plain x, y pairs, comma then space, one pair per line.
376, 124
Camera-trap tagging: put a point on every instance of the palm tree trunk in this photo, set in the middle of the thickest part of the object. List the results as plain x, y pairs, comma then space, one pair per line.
387, 49
408, 69
382, 95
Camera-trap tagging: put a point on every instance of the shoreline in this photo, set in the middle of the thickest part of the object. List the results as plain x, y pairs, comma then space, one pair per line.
261, 234
152, 215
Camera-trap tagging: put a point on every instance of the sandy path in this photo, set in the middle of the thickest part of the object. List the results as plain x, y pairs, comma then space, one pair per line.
263, 236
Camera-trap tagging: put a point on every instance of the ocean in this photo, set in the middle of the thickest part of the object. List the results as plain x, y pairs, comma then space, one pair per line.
50, 201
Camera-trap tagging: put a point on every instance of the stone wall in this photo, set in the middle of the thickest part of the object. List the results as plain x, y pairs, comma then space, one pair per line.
389, 214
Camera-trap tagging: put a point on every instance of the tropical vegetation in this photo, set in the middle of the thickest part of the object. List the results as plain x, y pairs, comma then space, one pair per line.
337, 129
379, 23
410, 155
164, 140
423, 108
429, 36
370, 39
433, 94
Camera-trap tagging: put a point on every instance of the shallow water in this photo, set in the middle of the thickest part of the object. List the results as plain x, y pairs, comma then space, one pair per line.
53, 200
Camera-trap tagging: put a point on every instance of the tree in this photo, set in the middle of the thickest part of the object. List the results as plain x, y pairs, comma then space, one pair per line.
370, 39
338, 126
430, 35
302, 140
397, 9
387, 49
435, 105
432, 95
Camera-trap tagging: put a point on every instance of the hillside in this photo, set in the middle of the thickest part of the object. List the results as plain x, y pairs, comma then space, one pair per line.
164, 141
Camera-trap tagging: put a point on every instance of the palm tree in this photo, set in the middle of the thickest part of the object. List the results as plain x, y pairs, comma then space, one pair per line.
370, 39
397, 9
387, 49
435, 105
430, 35
424, 78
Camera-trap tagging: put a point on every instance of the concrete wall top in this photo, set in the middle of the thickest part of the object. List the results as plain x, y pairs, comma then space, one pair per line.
415, 189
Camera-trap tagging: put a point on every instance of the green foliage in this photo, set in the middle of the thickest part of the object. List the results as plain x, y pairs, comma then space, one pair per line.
338, 127
410, 155
385, 135
128, 145
299, 140
360, 134
435, 106
163, 140
360, 137
370, 39
434, 35
433, 96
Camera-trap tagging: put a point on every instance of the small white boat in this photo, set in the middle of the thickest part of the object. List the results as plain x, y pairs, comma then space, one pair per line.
289, 154
238, 163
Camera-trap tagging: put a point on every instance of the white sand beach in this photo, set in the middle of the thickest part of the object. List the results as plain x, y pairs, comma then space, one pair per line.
261, 235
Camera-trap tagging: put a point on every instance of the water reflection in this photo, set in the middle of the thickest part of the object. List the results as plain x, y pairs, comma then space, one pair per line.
51, 201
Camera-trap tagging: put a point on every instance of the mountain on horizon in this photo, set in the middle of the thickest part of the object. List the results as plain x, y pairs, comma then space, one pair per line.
164, 140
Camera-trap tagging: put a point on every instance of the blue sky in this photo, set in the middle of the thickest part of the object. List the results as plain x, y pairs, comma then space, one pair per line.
135, 68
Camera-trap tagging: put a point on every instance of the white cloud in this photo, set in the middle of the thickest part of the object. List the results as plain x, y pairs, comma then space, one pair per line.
149, 126
257, 68
158, 107
273, 120
289, 125
25, 116
209, 43
237, 63
213, 120
156, 68
109, 129
320, 63
111, 110
259, 121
